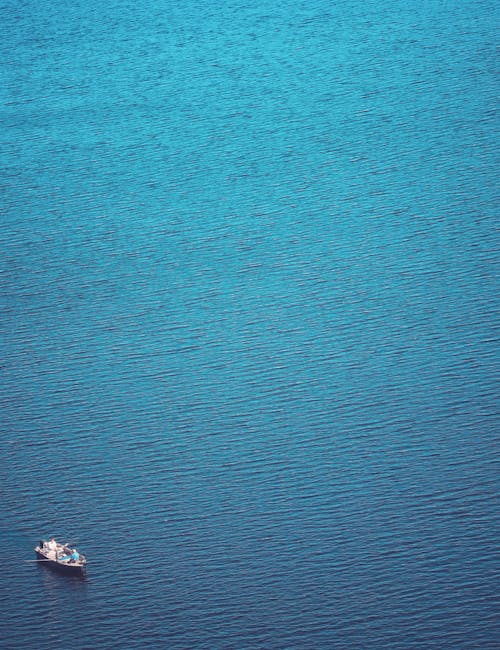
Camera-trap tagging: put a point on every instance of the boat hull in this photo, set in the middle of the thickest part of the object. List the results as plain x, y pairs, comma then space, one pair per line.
61, 567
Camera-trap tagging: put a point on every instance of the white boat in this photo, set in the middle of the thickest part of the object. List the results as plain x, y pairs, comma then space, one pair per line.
61, 557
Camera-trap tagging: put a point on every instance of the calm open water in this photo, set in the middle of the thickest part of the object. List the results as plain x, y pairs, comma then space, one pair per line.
249, 323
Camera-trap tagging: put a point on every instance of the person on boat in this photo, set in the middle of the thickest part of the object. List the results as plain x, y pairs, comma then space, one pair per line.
52, 549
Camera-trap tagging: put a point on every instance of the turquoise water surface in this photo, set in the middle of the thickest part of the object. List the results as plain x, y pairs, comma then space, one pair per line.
249, 324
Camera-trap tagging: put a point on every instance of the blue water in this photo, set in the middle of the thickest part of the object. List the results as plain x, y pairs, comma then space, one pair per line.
249, 324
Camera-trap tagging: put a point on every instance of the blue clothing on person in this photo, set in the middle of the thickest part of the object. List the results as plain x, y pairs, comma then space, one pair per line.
74, 556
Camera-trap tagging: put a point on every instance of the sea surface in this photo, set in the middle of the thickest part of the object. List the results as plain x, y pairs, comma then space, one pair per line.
249, 324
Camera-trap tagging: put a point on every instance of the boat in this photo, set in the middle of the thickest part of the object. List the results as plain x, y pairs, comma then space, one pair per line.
61, 557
